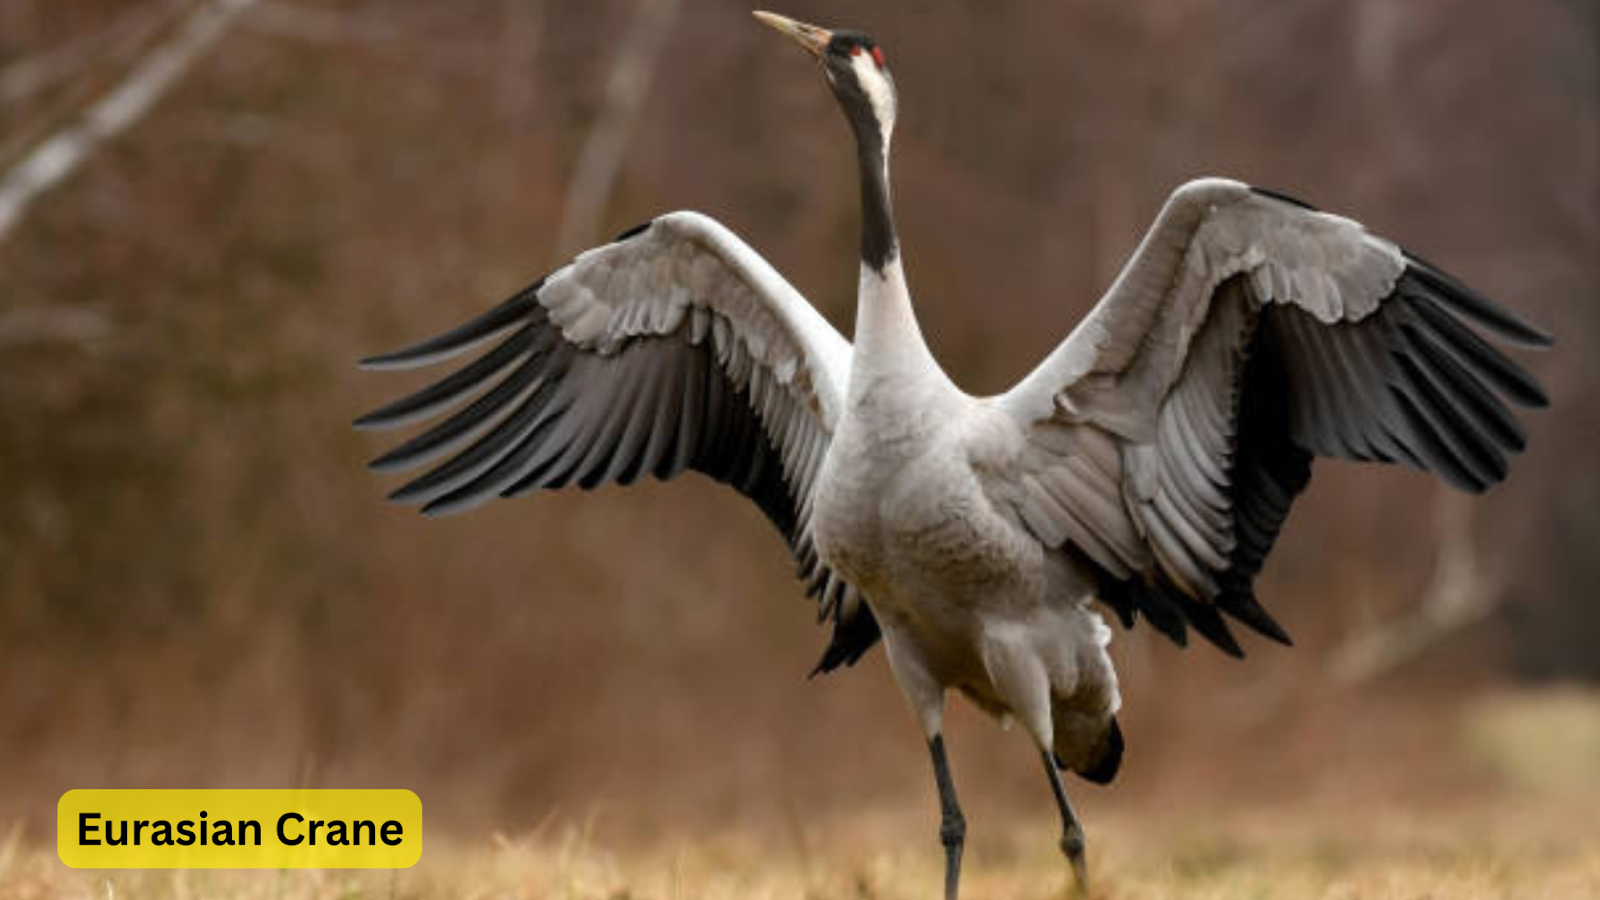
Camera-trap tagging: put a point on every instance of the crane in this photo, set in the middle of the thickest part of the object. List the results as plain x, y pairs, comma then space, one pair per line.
1146, 465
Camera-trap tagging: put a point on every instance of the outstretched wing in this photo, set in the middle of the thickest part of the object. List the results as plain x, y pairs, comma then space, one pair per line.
674, 348
1170, 433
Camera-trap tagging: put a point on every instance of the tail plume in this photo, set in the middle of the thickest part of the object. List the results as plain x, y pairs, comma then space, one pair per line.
1103, 767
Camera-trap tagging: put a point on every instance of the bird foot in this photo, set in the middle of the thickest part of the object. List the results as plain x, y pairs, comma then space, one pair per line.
953, 836
1074, 846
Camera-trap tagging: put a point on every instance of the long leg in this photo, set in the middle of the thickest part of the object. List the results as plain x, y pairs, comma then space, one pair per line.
1073, 843
952, 824
926, 696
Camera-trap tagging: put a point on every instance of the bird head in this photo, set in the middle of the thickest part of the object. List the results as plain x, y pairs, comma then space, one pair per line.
856, 69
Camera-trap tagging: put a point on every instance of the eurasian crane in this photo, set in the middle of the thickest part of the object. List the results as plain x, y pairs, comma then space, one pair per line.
1148, 462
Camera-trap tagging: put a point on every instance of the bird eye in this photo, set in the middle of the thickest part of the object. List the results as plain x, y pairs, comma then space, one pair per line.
877, 56
856, 50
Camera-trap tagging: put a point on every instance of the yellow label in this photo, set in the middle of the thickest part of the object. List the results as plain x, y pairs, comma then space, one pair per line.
288, 829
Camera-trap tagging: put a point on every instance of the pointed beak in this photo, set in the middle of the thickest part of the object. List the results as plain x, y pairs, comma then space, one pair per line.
811, 37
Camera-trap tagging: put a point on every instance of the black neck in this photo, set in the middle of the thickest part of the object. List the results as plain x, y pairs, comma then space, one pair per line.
878, 241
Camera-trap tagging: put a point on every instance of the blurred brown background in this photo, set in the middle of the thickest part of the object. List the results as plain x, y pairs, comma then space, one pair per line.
200, 586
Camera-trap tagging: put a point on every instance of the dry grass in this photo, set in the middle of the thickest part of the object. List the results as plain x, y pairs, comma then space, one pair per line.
1521, 825
1478, 852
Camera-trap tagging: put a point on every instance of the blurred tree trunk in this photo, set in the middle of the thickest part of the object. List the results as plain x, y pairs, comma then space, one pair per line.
1461, 592
59, 156
1555, 624
34, 72
606, 146
519, 42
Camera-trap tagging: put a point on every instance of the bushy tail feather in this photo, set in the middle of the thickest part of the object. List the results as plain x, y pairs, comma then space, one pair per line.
1105, 766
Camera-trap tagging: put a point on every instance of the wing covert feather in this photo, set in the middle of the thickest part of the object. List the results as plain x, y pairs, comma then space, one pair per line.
1248, 334
674, 348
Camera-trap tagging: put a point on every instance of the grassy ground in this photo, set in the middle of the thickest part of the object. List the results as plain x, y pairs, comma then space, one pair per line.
1463, 854
1525, 827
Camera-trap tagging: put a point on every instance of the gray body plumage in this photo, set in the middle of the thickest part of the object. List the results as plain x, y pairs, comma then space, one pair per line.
1148, 463
979, 531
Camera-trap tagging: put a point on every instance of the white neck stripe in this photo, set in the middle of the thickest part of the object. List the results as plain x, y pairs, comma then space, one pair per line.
876, 86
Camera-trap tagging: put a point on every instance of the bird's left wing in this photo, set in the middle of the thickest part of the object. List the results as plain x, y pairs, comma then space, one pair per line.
1171, 431
676, 347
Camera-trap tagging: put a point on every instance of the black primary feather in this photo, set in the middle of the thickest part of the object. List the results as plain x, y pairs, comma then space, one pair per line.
517, 415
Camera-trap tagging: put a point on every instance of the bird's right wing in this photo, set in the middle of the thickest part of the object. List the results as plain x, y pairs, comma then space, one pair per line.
676, 347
